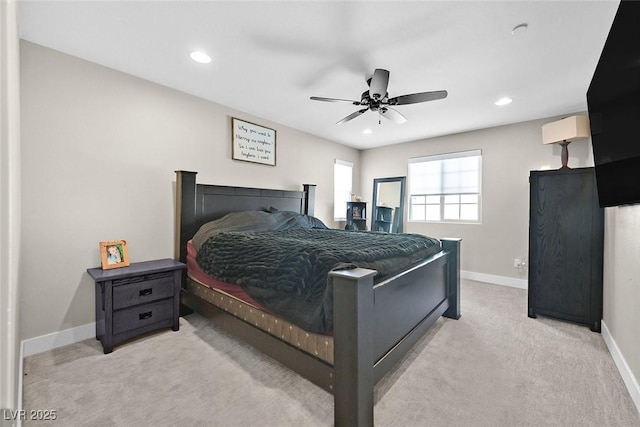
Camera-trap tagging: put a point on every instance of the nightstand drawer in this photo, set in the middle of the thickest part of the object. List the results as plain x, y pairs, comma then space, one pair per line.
142, 289
142, 315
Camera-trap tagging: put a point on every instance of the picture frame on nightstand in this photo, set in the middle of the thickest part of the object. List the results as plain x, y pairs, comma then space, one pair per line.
114, 254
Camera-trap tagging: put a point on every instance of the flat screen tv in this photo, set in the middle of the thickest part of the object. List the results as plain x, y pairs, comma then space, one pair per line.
613, 99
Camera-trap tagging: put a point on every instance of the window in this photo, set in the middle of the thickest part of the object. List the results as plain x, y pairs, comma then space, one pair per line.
445, 187
342, 180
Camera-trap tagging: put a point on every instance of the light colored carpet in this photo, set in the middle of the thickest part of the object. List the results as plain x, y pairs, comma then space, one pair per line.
493, 367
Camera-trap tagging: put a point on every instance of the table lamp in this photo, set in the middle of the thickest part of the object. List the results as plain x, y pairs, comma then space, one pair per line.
564, 131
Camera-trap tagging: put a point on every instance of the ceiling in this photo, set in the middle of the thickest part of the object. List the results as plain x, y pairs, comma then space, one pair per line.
269, 57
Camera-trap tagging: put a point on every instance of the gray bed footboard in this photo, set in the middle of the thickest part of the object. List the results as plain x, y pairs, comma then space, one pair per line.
375, 326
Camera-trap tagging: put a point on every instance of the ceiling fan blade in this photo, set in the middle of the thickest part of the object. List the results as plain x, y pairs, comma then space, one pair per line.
418, 97
392, 115
352, 116
348, 101
379, 83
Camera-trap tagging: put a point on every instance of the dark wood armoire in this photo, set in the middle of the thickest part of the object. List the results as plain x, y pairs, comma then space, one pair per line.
566, 242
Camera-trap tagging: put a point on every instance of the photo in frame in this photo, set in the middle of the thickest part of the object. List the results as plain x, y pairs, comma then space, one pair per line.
114, 254
252, 143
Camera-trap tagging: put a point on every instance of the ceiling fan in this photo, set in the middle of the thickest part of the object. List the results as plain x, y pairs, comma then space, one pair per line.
377, 99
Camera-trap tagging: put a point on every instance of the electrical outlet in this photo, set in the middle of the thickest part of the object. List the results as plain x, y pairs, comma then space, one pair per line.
520, 264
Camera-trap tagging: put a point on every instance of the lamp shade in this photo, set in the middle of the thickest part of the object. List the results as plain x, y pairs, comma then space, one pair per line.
566, 130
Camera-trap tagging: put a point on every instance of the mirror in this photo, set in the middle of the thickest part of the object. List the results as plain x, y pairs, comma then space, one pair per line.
388, 204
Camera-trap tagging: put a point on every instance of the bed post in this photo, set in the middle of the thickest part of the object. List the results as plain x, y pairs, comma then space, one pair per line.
185, 211
353, 347
452, 247
309, 198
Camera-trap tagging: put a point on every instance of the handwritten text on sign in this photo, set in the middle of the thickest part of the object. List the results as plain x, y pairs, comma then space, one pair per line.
253, 143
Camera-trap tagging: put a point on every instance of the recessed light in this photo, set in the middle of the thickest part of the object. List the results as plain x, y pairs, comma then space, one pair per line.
367, 131
504, 101
200, 57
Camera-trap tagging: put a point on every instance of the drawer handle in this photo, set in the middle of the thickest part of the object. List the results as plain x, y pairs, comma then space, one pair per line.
146, 315
145, 292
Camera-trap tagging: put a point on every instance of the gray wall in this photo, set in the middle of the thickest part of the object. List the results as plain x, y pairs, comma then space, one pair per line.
622, 281
99, 153
10, 362
99, 149
508, 154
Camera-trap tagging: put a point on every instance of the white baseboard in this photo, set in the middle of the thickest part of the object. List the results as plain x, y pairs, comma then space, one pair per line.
49, 342
625, 371
496, 280
81, 333
58, 339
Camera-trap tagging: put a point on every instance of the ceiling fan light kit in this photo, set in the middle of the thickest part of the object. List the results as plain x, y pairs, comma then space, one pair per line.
377, 99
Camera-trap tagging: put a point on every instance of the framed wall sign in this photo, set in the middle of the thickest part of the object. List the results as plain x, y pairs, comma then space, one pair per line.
252, 143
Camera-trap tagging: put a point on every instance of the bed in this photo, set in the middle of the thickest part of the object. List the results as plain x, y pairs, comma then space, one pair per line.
374, 326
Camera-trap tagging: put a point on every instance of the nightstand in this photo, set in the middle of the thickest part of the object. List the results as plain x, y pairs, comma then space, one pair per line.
137, 299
